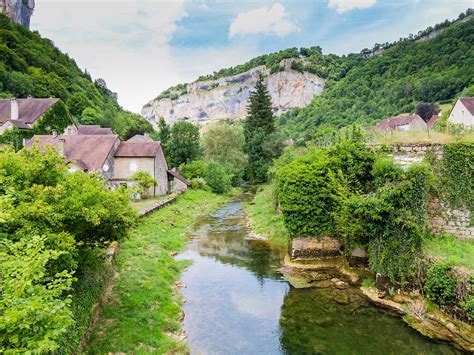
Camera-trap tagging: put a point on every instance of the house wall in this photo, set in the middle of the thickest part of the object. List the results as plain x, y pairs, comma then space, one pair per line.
5, 126
417, 125
125, 167
110, 161
461, 115
179, 186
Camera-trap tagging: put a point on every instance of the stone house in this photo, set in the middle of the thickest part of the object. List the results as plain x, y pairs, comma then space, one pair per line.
134, 156
23, 113
88, 153
116, 161
403, 123
463, 112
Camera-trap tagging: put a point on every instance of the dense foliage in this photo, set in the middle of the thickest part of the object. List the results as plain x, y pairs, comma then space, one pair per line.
262, 144
385, 85
144, 181
32, 66
224, 143
184, 145
363, 197
48, 217
440, 284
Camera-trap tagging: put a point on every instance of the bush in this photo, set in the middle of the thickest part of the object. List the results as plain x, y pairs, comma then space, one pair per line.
198, 184
440, 285
468, 306
193, 170
216, 177
33, 313
144, 182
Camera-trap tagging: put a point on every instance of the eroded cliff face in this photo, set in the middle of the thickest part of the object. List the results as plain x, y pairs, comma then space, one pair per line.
18, 11
213, 100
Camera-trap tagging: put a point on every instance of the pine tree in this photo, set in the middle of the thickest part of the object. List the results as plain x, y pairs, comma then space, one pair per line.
164, 131
259, 128
260, 114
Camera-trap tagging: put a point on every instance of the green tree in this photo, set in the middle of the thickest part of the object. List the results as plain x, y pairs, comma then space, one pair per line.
184, 144
164, 132
90, 115
224, 143
258, 127
216, 177
33, 313
144, 181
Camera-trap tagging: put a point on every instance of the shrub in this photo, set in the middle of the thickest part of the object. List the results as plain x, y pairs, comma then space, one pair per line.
144, 181
216, 177
33, 313
440, 285
198, 184
468, 306
193, 170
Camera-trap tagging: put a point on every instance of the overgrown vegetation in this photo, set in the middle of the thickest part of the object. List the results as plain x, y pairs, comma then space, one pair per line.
143, 308
49, 221
32, 66
265, 219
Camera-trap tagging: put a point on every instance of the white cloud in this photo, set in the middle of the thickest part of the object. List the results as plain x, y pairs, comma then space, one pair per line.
347, 5
268, 20
124, 42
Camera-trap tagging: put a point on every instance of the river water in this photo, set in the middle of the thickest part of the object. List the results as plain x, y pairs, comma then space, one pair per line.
237, 302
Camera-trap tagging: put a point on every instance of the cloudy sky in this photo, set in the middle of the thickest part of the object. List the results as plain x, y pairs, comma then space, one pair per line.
142, 47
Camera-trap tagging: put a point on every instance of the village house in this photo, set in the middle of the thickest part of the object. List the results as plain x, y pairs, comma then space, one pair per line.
23, 113
403, 122
463, 112
116, 161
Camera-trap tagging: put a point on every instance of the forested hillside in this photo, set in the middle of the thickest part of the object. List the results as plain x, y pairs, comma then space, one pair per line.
407, 73
32, 66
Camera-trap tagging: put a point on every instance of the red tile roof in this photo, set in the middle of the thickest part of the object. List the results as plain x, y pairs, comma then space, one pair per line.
139, 149
397, 121
432, 120
468, 102
29, 110
179, 177
90, 130
89, 152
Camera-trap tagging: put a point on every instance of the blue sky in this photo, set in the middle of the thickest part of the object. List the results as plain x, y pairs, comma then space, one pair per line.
141, 47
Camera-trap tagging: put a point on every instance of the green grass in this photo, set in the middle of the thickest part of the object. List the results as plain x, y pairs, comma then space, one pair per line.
458, 252
265, 220
143, 306
418, 137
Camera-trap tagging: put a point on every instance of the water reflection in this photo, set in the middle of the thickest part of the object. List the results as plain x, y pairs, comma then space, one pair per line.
238, 302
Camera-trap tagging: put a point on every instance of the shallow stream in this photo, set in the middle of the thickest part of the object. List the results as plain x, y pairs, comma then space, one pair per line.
237, 302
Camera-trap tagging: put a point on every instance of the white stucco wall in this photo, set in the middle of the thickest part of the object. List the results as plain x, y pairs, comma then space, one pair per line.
461, 115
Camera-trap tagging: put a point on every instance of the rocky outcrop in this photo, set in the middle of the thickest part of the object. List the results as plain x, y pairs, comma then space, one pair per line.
18, 11
227, 97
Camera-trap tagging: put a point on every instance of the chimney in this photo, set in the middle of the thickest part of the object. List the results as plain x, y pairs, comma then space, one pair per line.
61, 143
14, 114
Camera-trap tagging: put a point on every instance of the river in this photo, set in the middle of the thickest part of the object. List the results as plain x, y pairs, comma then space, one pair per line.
237, 302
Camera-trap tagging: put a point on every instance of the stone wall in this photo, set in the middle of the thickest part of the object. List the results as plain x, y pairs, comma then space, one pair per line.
441, 218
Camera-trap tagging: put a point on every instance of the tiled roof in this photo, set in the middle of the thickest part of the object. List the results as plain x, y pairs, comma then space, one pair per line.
397, 121
138, 149
29, 110
20, 124
88, 151
89, 130
468, 102
179, 177
432, 120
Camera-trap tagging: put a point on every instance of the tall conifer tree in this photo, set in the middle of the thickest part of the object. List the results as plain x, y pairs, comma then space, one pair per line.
259, 126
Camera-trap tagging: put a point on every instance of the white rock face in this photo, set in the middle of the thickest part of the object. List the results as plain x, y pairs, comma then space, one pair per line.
227, 97
18, 11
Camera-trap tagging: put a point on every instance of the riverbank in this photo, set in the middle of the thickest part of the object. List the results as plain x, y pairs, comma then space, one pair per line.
142, 311
264, 220
431, 322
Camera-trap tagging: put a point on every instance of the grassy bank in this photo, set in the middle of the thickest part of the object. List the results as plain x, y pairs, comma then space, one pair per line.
143, 308
457, 252
265, 220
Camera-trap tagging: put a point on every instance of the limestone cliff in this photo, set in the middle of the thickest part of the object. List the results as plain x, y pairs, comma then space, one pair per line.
227, 97
18, 11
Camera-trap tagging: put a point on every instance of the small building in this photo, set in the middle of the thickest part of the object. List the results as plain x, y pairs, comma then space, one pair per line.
23, 113
93, 130
403, 122
88, 153
432, 121
140, 137
148, 156
176, 182
463, 112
